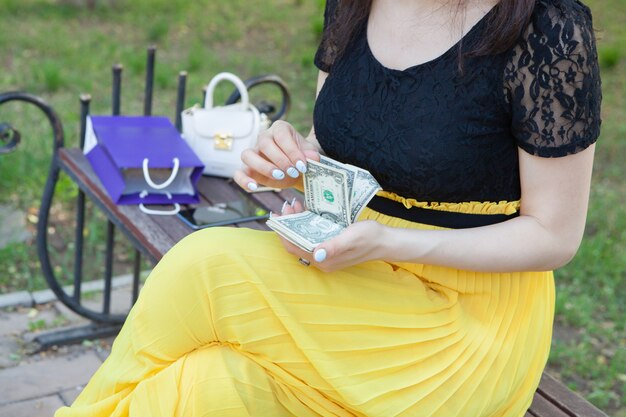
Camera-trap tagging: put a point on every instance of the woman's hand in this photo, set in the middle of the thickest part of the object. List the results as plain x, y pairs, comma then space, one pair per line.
358, 243
277, 160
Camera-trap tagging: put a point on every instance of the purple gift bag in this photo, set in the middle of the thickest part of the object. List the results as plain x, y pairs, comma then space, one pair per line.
142, 160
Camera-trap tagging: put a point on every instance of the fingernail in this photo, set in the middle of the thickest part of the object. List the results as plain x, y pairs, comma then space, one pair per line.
252, 186
278, 174
293, 202
282, 210
320, 255
301, 166
292, 172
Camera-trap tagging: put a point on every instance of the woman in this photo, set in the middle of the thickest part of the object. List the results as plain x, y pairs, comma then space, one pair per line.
479, 121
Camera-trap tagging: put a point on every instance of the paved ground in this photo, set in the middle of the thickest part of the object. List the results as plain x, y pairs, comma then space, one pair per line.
35, 384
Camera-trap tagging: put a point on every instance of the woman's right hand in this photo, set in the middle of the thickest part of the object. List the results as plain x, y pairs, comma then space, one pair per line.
278, 160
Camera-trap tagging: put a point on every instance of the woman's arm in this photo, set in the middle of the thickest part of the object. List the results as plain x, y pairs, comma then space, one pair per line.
547, 234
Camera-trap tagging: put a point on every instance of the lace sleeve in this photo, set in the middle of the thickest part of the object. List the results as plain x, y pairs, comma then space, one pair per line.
323, 56
552, 82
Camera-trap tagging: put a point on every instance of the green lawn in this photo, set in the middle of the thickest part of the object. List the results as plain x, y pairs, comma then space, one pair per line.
58, 50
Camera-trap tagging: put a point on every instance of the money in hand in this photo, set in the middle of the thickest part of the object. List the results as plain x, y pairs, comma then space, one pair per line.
305, 230
335, 194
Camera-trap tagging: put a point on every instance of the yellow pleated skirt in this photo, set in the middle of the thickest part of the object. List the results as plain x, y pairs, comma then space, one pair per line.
230, 324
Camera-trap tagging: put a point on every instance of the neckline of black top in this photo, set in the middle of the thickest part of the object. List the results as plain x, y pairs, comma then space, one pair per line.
453, 48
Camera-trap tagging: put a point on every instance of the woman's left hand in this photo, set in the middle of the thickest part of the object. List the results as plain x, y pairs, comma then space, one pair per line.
360, 242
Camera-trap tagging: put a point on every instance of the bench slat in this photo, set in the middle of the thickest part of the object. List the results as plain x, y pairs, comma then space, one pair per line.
174, 228
256, 225
270, 199
217, 190
565, 399
542, 407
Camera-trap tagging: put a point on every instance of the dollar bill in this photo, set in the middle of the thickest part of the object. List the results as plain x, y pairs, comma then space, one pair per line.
326, 192
350, 171
362, 186
365, 187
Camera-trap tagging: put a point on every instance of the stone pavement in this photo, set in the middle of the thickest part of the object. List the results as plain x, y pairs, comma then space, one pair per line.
35, 384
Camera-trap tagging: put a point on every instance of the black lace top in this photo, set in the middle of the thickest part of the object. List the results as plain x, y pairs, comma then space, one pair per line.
435, 135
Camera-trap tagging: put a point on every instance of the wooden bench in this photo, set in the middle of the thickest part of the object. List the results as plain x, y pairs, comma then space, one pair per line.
155, 235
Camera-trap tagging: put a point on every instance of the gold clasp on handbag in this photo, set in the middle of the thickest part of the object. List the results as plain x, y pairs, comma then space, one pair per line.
223, 141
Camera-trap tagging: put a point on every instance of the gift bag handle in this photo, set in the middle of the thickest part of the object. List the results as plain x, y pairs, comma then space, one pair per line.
227, 76
146, 175
146, 210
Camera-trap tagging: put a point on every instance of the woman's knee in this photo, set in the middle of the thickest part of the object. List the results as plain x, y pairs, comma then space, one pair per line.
231, 382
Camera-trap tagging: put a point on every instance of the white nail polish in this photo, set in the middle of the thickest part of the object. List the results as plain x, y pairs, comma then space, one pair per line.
282, 210
320, 255
292, 172
301, 166
278, 174
293, 202
252, 186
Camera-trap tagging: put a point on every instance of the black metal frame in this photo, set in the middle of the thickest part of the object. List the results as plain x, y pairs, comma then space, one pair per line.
10, 137
104, 323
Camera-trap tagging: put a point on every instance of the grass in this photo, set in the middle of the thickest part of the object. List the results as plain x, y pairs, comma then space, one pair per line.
59, 50
62, 66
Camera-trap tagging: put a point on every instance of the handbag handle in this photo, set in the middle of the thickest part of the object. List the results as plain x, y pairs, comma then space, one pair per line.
146, 175
265, 107
146, 210
227, 76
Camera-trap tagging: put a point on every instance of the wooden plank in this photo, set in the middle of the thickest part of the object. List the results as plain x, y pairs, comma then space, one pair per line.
272, 200
565, 399
218, 190
291, 193
256, 225
174, 227
541, 407
140, 228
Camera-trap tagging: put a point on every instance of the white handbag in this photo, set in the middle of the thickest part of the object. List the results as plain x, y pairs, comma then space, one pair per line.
219, 134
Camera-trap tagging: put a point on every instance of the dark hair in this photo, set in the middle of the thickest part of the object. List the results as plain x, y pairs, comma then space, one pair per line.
506, 23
